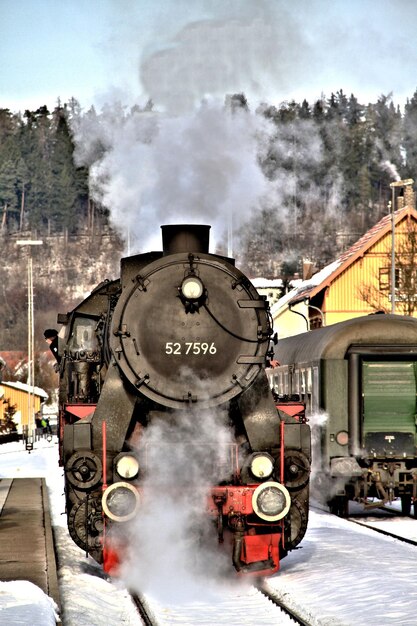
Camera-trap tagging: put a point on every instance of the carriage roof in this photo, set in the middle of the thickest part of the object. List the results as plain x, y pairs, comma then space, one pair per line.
333, 342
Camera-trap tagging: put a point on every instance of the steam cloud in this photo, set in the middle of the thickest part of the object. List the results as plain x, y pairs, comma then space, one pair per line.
195, 161
319, 490
154, 169
201, 167
174, 552
391, 169
245, 50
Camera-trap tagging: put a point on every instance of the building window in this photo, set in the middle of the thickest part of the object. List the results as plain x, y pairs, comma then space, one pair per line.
385, 278
316, 321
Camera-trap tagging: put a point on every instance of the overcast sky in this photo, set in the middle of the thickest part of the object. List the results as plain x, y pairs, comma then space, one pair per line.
272, 50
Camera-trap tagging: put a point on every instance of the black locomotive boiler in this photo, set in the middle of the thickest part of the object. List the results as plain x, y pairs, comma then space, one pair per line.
182, 333
361, 376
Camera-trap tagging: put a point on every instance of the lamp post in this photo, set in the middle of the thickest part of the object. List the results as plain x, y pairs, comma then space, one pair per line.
395, 185
31, 341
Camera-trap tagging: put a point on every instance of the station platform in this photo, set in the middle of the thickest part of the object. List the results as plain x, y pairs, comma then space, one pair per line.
27, 546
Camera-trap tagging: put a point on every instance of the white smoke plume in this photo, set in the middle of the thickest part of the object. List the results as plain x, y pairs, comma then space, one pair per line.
391, 169
194, 161
240, 46
319, 490
173, 545
150, 169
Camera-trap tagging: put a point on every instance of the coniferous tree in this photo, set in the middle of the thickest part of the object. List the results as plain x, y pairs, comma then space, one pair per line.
63, 209
21, 184
8, 200
410, 137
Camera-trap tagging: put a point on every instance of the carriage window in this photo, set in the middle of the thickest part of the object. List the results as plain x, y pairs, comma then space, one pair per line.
309, 383
296, 387
315, 397
303, 381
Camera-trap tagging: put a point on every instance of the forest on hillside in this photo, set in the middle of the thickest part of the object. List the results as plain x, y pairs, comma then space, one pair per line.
333, 160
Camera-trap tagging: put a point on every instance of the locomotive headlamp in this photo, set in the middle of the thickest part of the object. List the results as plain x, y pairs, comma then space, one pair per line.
192, 288
127, 466
262, 466
271, 501
120, 502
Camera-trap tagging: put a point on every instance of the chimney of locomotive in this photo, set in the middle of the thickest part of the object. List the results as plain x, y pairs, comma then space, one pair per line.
185, 238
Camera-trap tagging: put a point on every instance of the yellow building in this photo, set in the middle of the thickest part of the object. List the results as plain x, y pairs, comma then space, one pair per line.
359, 281
17, 394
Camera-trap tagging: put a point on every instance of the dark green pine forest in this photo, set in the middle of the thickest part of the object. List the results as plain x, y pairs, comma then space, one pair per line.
331, 199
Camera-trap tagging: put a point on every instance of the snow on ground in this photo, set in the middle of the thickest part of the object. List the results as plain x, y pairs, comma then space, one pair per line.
22, 602
341, 572
349, 575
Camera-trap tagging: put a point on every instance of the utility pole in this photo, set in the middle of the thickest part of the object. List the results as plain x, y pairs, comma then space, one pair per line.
31, 342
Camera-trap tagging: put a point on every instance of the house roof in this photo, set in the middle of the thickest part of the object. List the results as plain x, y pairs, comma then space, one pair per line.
327, 275
37, 391
15, 360
266, 283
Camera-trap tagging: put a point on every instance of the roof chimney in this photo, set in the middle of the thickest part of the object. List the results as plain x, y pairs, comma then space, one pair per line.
409, 197
307, 269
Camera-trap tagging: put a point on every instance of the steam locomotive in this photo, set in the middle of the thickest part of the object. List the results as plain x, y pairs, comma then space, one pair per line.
180, 341
361, 376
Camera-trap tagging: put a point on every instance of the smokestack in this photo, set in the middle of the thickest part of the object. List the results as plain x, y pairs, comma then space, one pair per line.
185, 238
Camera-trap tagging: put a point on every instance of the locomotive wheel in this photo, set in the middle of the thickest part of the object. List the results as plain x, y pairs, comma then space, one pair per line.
295, 525
83, 469
296, 469
85, 523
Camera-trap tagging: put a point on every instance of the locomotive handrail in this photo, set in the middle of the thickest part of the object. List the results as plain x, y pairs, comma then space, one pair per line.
230, 332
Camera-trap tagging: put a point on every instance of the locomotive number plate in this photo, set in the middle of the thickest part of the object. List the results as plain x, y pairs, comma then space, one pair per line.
190, 347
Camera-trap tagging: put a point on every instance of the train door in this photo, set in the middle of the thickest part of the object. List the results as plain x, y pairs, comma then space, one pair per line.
389, 407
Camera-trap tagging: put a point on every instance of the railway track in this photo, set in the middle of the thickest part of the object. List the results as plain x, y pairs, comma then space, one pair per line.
237, 610
144, 611
367, 520
293, 615
283, 612
383, 531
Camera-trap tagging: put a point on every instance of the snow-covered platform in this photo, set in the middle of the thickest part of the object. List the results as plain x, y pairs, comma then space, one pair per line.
27, 550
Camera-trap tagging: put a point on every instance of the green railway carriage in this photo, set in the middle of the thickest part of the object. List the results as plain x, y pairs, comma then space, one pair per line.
361, 376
